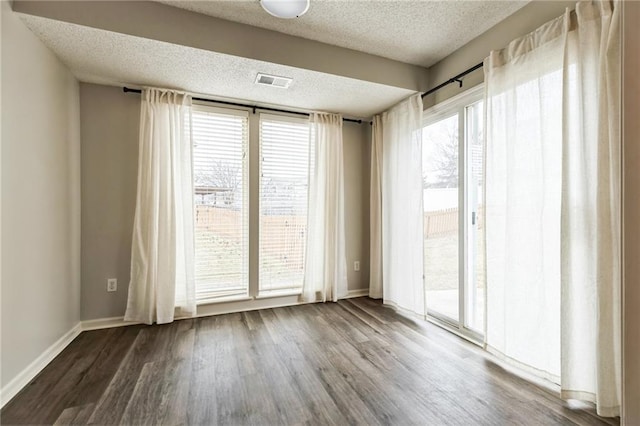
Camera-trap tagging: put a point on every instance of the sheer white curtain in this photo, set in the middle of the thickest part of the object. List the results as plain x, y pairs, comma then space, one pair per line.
553, 202
523, 86
375, 211
396, 207
162, 253
591, 230
325, 275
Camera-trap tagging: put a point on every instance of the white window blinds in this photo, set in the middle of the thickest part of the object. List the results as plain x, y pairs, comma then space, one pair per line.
221, 196
284, 181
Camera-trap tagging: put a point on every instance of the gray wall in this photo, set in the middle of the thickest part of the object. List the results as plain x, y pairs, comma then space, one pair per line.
40, 198
356, 178
109, 127
631, 213
109, 123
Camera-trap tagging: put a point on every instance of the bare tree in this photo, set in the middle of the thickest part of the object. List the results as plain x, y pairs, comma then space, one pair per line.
220, 176
444, 161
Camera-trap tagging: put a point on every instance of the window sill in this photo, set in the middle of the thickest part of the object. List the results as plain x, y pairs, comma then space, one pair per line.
214, 300
279, 293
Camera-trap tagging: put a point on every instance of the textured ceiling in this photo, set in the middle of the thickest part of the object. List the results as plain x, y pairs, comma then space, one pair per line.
104, 57
415, 32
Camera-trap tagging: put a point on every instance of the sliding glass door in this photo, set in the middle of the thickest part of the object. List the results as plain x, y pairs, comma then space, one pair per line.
452, 165
474, 201
441, 181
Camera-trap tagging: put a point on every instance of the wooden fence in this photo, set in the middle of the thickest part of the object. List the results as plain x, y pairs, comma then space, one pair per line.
445, 222
283, 236
440, 222
290, 230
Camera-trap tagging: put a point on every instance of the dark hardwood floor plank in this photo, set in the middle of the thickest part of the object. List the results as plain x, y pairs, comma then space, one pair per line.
354, 309
346, 360
374, 333
56, 388
67, 416
304, 379
446, 371
260, 404
160, 395
266, 407
142, 408
86, 381
352, 362
288, 402
232, 395
354, 410
98, 375
417, 338
75, 415
147, 347
202, 406
177, 379
346, 329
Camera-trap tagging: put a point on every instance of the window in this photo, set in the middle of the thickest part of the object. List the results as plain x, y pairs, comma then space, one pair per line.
284, 182
453, 167
220, 171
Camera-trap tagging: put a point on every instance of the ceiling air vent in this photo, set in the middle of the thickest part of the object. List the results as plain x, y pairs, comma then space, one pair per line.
273, 80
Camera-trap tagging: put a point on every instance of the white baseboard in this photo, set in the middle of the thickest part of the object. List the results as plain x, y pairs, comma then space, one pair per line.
12, 388
206, 310
100, 323
357, 293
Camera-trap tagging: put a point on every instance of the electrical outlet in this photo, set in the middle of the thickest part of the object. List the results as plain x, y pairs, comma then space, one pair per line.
112, 284
356, 265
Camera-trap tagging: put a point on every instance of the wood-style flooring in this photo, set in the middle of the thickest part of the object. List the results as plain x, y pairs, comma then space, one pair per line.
351, 362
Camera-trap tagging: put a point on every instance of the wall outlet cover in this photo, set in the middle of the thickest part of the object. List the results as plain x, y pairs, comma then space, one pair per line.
112, 284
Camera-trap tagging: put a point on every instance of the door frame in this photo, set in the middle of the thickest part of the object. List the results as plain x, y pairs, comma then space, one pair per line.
452, 106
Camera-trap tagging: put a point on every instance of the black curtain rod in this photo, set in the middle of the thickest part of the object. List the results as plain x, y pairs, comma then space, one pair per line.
456, 79
254, 107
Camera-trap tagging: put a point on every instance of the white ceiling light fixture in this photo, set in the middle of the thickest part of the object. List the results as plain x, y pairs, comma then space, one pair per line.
286, 9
